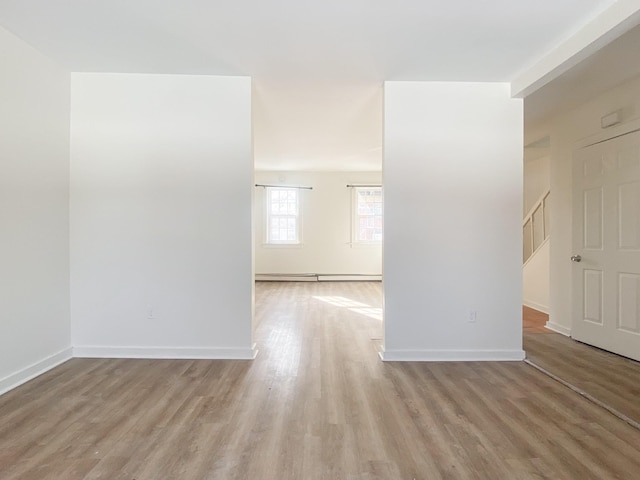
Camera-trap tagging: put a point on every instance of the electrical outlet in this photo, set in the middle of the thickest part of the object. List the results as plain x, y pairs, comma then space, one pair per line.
151, 314
473, 315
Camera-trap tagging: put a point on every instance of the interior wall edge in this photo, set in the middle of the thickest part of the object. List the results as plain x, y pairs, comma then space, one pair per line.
452, 355
561, 329
34, 370
536, 306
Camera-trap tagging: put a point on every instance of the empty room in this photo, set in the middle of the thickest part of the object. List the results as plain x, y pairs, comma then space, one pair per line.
285, 240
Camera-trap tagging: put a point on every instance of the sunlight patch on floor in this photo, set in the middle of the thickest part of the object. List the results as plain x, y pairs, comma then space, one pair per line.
352, 305
373, 312
341, 301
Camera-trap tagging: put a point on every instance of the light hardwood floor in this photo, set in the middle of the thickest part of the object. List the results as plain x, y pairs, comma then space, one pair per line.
317, 403
534, 321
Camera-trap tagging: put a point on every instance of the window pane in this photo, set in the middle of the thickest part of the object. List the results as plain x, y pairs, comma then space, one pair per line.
368, 213
282, 215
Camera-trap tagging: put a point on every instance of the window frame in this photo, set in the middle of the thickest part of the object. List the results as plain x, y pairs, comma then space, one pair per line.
268, 215
356, 216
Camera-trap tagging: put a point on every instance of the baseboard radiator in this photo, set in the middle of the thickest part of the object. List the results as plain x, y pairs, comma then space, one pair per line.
317, 277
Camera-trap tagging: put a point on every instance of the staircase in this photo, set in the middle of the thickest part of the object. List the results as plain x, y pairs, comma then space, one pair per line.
535, 255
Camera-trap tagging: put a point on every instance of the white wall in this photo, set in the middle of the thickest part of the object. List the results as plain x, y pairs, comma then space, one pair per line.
326, 224
536, 181
453, 214
34, 218
535, 279
535, 272
565, 129
161, 198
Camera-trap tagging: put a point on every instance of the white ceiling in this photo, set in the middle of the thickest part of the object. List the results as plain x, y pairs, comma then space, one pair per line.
318, 66
317, 125
610, 66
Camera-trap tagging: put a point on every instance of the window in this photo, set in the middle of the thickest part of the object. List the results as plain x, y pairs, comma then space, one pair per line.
283, 215
367, 217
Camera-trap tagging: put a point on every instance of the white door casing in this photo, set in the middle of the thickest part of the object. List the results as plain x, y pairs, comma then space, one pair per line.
606, 237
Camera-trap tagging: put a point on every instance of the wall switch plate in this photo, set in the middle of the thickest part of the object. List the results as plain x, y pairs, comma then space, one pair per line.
473, 315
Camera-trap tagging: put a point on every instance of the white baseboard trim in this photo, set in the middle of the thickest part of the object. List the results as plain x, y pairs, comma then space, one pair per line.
536, 306
452, 355
558, 328
191, 353
276, 277
349, 278
317, 277
32, 371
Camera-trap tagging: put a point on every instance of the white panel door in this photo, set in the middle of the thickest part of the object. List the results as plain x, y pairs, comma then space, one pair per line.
606, 240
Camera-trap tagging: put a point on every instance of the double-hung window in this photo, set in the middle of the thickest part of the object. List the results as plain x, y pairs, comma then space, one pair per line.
367, 215
283, 215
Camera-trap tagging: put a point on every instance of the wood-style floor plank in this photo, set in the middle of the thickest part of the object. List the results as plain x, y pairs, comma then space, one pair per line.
317, 403
609, 378
534, 321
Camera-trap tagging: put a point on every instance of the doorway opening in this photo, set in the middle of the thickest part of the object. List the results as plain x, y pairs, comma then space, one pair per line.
589, 357
317, 211
536, 240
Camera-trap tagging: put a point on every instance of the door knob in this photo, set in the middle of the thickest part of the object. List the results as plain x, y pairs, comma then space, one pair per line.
576, 258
